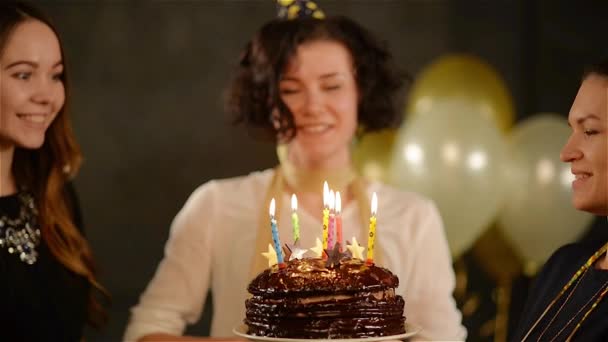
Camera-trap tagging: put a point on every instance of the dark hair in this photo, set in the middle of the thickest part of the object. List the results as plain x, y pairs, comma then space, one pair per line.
600, 69
46, 171
253, 94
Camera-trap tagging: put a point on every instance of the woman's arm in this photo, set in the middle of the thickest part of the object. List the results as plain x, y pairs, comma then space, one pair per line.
176, 295
429, 287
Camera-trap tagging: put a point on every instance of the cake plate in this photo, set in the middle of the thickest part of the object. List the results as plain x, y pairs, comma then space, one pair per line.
411, 330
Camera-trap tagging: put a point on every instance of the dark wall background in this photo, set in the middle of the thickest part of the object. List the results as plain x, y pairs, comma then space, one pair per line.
147, 80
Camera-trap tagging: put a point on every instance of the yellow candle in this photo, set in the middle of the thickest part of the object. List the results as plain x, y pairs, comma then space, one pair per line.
372, 230
295, 222
325, 214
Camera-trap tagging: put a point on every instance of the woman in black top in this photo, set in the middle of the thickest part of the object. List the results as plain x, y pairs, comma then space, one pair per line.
47, 278
568, 300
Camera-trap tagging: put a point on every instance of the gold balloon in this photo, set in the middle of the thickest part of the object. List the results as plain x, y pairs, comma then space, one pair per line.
465, 78
455, 156
373, 153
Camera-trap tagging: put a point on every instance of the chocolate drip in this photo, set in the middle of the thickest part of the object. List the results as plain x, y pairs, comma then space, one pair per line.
310, 276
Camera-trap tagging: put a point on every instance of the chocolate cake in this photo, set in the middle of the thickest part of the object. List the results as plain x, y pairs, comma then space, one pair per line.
311, 298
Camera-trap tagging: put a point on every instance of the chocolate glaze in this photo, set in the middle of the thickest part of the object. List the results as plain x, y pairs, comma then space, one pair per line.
307, 299
311, 276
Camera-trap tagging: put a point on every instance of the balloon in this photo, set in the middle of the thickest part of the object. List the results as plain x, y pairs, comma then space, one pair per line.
467, 78
454, 155
372, 155
538, 216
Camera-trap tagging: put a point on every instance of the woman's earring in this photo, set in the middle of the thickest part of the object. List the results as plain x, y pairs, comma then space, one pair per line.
66, 169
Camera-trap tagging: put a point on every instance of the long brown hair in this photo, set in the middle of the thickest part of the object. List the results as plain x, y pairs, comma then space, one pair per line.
45, 172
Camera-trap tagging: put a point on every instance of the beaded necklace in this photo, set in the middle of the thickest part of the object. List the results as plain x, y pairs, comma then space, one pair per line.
572, 280
21, 235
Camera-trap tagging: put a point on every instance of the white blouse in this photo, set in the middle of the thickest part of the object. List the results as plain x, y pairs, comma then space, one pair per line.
212, 242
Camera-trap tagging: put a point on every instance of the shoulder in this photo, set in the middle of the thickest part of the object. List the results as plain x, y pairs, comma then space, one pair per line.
570, 256
562, 264
574, 252
221, 197
252, 181
555, 273
230, 188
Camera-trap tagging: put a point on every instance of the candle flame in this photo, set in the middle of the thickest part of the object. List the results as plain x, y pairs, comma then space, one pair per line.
338, 202
325, 194
294, 202
332, 200
374, 204
272, 206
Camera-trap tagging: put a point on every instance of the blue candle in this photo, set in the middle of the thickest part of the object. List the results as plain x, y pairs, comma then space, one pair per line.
275, 233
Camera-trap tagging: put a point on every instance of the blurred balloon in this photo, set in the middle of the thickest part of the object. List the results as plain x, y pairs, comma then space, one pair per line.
454, 155
372, 155
538, 216
467, 78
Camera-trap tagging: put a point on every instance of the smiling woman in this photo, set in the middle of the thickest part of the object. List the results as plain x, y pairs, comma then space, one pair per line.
320, 89
587, 147
32, 89
568, 299
48, 278
312, 84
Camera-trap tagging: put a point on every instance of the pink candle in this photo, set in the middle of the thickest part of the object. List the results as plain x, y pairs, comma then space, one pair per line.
325, 214
339, 220
331, 239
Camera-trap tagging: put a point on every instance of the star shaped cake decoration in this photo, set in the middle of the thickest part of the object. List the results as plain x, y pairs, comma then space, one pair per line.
271, 255
355, 249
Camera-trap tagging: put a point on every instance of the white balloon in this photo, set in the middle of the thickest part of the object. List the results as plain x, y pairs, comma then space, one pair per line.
538, 216
454, 155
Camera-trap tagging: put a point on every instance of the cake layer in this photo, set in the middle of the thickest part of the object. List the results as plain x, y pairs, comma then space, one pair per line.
327, 328
360, 315
358, 305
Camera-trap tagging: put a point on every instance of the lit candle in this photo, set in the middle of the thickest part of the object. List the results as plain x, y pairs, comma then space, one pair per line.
275, 233
295, 222
325, 214
339, 220
372, 231
331, 239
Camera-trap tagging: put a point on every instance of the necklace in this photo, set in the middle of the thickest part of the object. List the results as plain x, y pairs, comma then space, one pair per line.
561, 307
602, 288
21, 235
582, 270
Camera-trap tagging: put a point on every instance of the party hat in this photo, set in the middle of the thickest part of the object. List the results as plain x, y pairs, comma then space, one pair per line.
294, 9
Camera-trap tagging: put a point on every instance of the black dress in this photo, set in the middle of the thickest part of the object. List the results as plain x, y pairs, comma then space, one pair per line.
39, 302
555, 274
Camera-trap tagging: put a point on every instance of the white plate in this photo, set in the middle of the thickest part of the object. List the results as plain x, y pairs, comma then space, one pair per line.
241, 330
